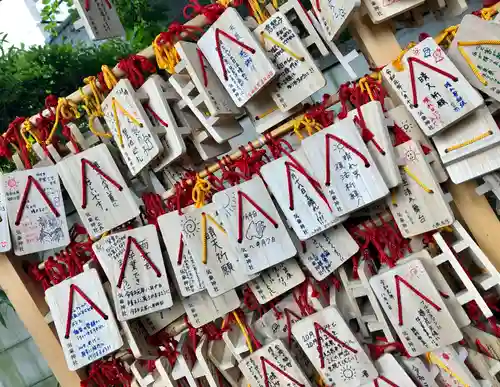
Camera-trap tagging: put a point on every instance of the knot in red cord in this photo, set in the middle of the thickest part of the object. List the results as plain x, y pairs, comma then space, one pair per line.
38, 275
211, 11
319, 113
135, 66
55, 271
176, 30
51, 101
400, 136
153, 205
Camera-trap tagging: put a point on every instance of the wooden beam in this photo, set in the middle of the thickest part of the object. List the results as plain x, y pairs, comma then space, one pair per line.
377, 41
27, 297
479, 217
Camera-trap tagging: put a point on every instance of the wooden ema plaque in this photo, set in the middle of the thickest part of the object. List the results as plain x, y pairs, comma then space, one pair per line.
477, 55
342, 164
418, 205
202, 309
199, 82
431, 87
276, 281
84, 320
391, 373
325, 252
415, 308
182, 261
35, 209
207, 240
264, 113
238, 60
304, 204
334, 15
474, 134
298, 77
333, 349
297, 15
131, 128
371, 117
273, 362
254, 226
402, 117
161, 116
96, 187
100, 19
382, 10
454, 307
133, 262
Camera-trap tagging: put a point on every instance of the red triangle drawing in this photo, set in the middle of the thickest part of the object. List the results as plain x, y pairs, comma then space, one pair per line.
399, 280
265, 361
314, 183
24, 199
319, 328
128, 247
329, 137
85, 162
429, 66
218, 33
242, 195
72, 289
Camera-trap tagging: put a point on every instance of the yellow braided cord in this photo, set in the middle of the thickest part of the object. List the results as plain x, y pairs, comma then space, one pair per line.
433, 359
417, 180
365, 86
244, 331
166, 55
92, 106
224, 3
200, 191
115, 104
265, 36
66, 109
204, 238
469, 142
204, 217
96, 93
109, 77
260, 14
488, 13
266, 113
467, 58
397, 63
393, 197
308, 124
448, 33
27, 127
275, 4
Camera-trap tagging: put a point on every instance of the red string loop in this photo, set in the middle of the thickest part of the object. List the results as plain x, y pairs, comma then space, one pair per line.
131, 240
32, 181
211, 11
413, 81
218, 33
85, 162
135, 66
329, 137
72, 289
242, 195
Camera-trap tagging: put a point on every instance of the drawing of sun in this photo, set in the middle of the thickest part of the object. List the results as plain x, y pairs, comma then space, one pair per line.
347, 373
411, 155
190, 227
